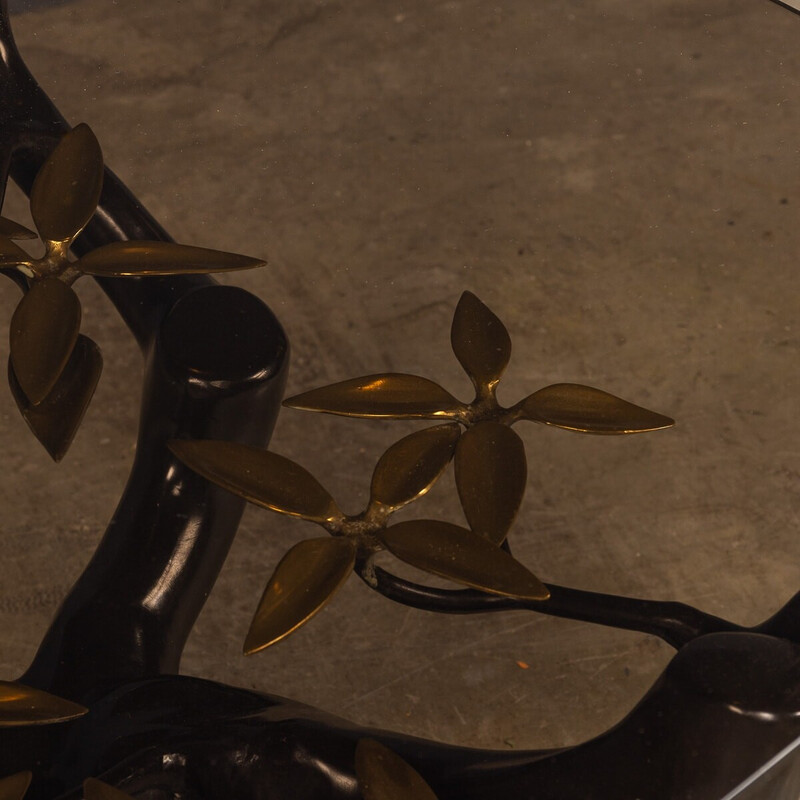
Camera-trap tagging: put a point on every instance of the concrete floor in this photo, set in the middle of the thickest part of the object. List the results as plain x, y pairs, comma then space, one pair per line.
618, 181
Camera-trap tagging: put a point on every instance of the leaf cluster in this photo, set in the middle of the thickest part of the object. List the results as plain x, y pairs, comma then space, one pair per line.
53, 369
490, 472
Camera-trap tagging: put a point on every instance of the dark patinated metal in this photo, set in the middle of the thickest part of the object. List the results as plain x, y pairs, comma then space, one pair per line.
215, 369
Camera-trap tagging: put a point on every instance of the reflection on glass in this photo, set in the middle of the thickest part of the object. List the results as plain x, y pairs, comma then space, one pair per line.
778, 779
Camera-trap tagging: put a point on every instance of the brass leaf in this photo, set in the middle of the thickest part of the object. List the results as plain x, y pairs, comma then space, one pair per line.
13, 230
67, 189
480, 341
587, 410
491, 471
94, 789
462, 556
14, 787
57, 418
120, 259
44, 330
411, 466
390, 394
262, 477
383, 775
23, 705
303, 582
11, 253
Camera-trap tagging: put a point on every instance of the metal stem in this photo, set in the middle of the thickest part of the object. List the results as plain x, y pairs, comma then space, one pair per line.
675, 623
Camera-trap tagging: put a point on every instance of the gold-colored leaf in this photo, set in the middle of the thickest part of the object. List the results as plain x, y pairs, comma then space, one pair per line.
262, 477
462, 556
14, 787
23, 705
13, 230
411, 466
383, 775
12, 254
480, 341
57, 418
67, 189
491, 471
303, 582
94, 789
587, 410
120, 259
390, 394
44, 330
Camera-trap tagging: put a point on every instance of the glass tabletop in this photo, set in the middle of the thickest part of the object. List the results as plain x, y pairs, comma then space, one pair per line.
778, 779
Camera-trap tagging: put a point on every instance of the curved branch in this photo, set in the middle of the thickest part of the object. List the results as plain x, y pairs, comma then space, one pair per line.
216, 367
30, 127
132, 609
676, 623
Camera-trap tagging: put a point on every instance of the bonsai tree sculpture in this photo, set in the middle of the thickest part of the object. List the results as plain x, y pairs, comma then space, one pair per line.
103, 713
490, 468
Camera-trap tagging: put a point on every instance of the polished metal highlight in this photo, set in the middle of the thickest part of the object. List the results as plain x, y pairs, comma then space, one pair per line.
383, 775
261, 477
312, 571
67, 189
490, 473
583, 409
409, 468
304, 581
463, 556
24, 705
45, 326
482, 345
129, 259
491, 466
391, 394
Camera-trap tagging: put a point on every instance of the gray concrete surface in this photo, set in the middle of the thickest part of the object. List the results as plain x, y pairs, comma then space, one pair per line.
618, 181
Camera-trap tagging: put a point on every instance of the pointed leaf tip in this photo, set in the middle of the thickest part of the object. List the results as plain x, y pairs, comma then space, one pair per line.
391, 394
24, 705
260, 476
55, 421
462, 556
304, 581
480, 342
584, 409
383, 775
67, 188
411, 466
131, 258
